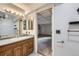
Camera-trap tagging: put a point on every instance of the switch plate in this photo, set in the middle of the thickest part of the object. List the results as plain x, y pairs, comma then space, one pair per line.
58, 31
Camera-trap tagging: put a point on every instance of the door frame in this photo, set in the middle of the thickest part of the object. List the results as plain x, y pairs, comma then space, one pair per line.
52, 26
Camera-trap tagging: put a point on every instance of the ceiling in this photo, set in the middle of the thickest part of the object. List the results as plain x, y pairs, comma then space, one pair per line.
46, 13
29, 6
23, 8
45, 16
57, 4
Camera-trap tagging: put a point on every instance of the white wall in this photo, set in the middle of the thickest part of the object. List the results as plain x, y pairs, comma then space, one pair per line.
45, 24
62, 15
45, 29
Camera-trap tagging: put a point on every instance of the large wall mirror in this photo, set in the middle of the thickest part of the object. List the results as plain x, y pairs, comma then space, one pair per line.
28, 24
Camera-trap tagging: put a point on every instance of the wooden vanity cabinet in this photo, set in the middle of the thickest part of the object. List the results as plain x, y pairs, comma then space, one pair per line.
6, 53
28, 48
18, 51
21, 48
6, 50
25, 49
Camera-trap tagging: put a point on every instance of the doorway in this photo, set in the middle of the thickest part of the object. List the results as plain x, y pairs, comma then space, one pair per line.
44, 41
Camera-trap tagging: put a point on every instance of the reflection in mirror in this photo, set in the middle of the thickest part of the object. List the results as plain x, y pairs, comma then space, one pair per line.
30, 24
20, 26
24, 24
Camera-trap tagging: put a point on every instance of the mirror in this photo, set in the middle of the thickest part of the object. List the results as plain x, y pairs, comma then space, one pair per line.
24, 24
30, 24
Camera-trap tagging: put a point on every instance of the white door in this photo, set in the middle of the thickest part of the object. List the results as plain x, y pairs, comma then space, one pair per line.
66, 47
62, 46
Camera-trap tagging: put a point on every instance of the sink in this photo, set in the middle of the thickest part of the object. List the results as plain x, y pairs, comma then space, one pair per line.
6, 38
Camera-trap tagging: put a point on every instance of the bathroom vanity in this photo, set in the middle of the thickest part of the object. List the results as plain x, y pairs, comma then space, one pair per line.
19, 46
14, 38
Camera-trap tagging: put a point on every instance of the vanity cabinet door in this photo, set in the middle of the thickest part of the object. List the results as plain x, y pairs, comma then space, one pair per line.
2, 53
8, 52
25, 49
30, 46
18, 51
31, 43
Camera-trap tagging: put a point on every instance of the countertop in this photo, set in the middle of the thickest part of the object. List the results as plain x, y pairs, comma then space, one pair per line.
12, 40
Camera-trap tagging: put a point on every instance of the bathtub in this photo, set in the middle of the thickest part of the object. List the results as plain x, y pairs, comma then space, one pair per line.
44, 41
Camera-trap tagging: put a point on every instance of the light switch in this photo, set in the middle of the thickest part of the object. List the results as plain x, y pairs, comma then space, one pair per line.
58, 31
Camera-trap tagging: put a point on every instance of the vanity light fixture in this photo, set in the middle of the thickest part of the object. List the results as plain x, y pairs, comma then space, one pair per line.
14, 12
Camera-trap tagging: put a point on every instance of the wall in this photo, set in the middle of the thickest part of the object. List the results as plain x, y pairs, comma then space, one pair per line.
63, 14
45, 29
45, 24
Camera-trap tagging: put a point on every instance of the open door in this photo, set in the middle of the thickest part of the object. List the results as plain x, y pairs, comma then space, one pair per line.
44, 19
